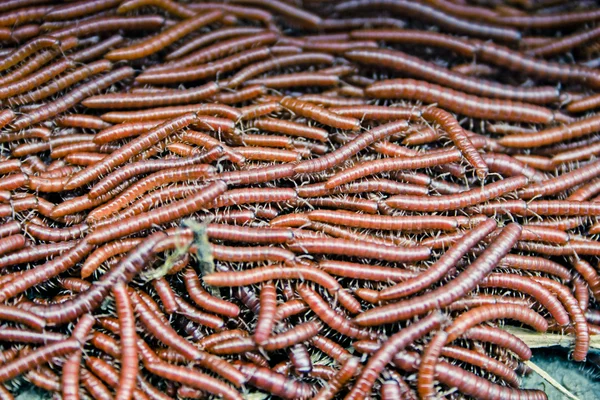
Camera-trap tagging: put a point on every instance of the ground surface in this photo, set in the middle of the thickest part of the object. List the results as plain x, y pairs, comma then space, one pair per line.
583, 380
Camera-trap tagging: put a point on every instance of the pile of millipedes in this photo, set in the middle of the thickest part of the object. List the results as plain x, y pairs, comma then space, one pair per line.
260, 198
